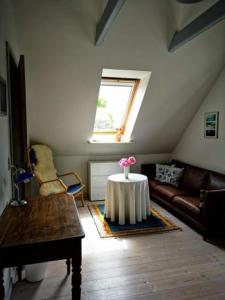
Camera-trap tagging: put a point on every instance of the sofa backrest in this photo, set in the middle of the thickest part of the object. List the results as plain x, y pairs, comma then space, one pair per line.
148, 170
179, 164
216, 181
208, 180
194, 179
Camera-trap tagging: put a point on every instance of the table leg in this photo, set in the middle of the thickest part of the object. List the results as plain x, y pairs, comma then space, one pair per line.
2, 289
19, 272
76, 273
68, 265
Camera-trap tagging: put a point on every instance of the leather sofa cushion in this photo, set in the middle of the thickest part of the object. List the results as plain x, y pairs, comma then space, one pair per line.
216, 181
169, 191
189, 204
153, 183
193, 179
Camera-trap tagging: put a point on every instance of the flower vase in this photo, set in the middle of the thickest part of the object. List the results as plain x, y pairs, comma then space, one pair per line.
126, 171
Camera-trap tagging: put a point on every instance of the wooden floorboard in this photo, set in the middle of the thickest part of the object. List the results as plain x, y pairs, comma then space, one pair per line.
176, 265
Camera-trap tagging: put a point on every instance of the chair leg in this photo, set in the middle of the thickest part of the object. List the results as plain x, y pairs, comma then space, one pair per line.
82, 198
19, 272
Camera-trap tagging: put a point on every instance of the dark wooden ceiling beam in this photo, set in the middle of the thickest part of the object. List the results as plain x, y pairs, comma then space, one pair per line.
111, 11
209, 18
189, 1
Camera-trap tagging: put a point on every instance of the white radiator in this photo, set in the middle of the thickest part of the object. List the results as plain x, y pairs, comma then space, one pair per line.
98, 173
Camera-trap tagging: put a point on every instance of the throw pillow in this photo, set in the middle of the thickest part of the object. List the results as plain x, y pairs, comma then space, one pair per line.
172, 176
160, 172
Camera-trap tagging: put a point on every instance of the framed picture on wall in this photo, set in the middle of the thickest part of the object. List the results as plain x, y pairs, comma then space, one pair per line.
3, 99
211, 124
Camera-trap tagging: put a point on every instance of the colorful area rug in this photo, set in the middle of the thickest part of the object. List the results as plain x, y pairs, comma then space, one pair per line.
155, 223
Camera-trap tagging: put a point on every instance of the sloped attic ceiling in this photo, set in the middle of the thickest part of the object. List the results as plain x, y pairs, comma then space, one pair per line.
64, 69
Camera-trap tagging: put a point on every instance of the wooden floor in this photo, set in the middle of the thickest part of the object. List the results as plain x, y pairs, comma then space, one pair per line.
173, 265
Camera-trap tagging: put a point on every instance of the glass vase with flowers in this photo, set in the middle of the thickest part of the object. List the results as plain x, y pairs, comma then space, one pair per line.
125, 163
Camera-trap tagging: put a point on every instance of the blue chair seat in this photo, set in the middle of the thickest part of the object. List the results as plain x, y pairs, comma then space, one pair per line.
72, 189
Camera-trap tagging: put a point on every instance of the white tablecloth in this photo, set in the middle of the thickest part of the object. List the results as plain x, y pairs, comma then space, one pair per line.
127, 200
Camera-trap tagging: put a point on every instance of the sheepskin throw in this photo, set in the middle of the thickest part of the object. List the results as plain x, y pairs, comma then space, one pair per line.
45, 170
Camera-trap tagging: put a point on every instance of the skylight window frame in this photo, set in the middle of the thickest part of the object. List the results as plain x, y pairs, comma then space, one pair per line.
129, 105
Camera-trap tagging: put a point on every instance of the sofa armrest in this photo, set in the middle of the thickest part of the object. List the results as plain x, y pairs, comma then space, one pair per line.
149, 170
202, 195
210, 195
213, 210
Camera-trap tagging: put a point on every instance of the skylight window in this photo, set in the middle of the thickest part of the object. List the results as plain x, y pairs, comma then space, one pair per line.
113, 106
119, 101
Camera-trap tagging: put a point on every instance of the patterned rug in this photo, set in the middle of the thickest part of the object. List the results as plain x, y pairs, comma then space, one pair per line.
155, 223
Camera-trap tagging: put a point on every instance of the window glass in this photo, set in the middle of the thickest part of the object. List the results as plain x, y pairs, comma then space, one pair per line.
113, 104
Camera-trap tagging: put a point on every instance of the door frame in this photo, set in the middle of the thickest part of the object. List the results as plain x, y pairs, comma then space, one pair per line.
10, 55
20, 107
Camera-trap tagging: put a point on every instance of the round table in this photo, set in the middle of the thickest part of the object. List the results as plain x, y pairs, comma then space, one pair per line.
127, 200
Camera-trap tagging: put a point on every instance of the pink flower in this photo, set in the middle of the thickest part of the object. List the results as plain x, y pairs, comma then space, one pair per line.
124, 162
123, 159
131, 160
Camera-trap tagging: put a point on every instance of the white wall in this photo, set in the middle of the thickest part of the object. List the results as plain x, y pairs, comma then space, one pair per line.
64, 69
79, 163
193, 147
7, 33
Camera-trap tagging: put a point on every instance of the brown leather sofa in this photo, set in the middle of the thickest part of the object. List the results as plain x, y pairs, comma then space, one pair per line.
199, 199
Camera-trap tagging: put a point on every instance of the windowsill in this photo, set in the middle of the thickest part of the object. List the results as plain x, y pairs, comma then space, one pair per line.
109, 142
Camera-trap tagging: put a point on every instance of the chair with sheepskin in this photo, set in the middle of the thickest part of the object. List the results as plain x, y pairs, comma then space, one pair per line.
42, 165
